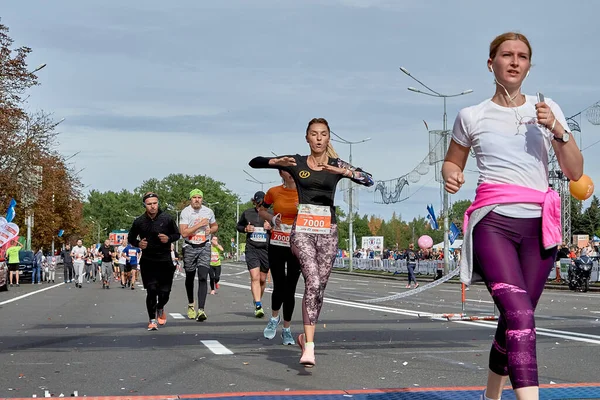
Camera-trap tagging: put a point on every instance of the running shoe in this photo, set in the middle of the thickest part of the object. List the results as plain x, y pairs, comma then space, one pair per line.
259, 313
161, 316
153, 326
216, 285
201, 316
191, 311
308, 354
271, 328
132, 287
287, 337
416, 285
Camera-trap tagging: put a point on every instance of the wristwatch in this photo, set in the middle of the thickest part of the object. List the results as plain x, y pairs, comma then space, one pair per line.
564, 139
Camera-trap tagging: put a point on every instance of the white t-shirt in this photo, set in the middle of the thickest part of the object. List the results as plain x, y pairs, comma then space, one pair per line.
78, 253
510, 147
122, 259
190, 217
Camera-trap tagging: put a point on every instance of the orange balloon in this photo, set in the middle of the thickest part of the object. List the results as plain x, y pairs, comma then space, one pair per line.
583, 188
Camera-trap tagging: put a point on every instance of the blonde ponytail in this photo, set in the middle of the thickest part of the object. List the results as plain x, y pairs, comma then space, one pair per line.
331, 151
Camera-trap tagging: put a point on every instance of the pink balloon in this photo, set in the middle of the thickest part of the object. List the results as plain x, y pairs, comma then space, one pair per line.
425, 242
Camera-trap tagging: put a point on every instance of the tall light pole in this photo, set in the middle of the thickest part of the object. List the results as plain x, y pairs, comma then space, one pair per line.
445, 211
350, 194
254, 180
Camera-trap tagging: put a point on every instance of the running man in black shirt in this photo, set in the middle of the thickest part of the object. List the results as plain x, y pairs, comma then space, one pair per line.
153, 232
257, 255
314, 233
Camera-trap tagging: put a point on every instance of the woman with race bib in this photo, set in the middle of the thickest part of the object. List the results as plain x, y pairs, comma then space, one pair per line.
313, 236
284, 200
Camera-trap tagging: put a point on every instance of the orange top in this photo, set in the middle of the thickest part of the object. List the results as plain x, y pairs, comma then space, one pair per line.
284, 201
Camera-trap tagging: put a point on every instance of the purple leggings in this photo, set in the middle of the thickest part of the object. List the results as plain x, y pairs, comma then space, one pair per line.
316, 254
509, 255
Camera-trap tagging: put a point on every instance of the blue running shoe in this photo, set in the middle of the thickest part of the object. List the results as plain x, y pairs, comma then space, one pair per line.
287, 337
271, 328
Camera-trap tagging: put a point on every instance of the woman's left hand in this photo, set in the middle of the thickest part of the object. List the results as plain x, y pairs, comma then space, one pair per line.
335, 170
545, 116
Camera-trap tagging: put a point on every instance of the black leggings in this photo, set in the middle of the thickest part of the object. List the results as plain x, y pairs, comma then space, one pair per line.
68, 272
215, 276
284, 285
156, 299
202, 285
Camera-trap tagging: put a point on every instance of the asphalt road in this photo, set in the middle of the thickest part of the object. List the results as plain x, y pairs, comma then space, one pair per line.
94, 342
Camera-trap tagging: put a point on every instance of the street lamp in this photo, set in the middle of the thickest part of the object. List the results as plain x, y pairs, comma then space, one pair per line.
41, 66
350, 193
433, 93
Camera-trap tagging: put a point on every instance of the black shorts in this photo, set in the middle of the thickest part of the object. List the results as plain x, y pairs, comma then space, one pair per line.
257, 258
127, 268
13, 267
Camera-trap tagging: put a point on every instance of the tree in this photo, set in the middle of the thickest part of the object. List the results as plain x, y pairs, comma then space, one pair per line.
31, 169
457, 212
590, 220
374, 225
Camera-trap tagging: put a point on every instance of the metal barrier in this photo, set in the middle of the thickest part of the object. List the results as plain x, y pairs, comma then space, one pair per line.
564, 270
424, 267
430, 267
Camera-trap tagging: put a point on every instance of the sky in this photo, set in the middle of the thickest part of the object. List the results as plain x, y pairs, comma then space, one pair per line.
149, 88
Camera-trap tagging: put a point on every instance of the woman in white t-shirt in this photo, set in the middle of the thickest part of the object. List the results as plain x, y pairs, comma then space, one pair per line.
511, 230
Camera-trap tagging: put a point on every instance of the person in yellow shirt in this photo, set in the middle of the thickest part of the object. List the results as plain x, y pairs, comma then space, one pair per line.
12, 256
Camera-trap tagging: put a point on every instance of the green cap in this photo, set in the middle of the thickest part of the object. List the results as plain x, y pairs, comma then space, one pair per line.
196, 192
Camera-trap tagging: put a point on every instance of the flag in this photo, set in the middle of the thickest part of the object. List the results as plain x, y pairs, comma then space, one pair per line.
10, 212
431, 217
60, 232
454, 232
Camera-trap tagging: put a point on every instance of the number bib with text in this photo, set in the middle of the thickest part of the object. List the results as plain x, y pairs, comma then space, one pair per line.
214, 256
280, 236
313, 219
198, 238
259, 235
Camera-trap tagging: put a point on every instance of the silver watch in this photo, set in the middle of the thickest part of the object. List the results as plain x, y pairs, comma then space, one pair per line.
564, 139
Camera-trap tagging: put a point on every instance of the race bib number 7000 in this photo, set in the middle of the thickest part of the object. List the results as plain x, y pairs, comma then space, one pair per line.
280, 236
313, 219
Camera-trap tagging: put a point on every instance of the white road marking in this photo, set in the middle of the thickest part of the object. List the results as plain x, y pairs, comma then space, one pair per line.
177, 316
216, 347
579, 337
30, 294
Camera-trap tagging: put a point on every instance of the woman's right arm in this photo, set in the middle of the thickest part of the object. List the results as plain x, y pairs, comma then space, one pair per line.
282, 163
453, 167
458, 153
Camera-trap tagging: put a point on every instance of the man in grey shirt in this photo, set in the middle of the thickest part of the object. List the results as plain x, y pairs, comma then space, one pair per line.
196, 224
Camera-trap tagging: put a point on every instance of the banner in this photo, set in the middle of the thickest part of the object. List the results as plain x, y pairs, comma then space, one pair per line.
374, 243
8, 232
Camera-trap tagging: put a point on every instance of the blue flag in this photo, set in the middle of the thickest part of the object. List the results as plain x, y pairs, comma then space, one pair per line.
431, 217
60, 233
10, 213
454, 232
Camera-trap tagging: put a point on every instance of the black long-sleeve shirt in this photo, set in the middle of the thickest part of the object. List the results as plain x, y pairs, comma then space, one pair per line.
146, 228
251, 217
316, 187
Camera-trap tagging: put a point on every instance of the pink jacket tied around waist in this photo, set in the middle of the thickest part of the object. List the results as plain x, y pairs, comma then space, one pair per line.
489, 193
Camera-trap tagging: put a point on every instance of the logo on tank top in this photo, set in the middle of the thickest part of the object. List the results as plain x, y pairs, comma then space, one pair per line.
304, 174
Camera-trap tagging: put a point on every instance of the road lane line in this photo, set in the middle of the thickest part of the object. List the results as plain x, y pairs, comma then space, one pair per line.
177, 316
216, 347
575, 336
30, 294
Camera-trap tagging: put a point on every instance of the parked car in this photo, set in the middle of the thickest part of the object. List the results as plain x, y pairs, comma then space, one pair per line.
26, 258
